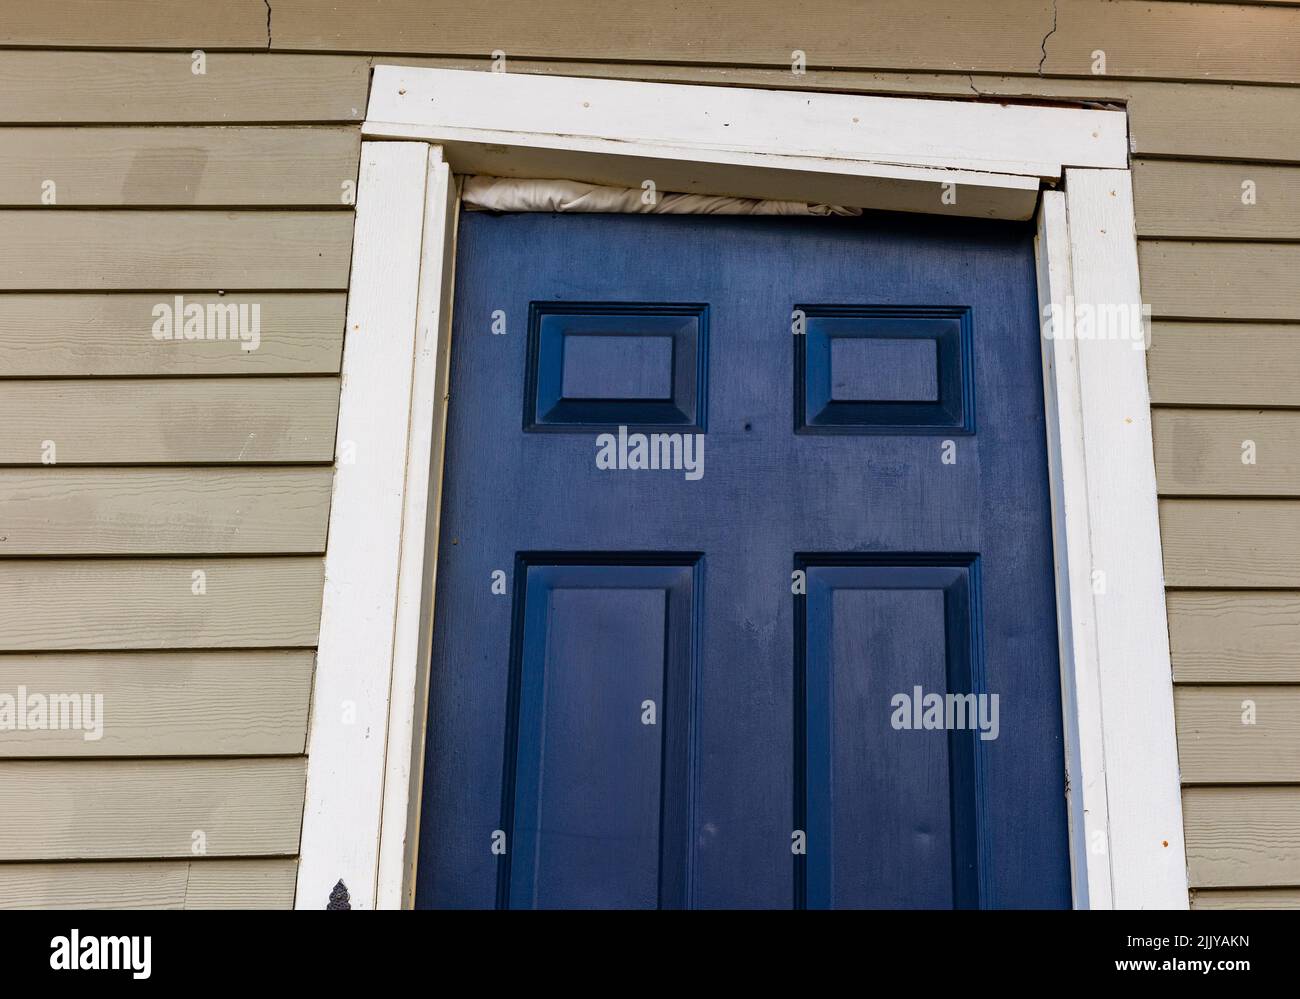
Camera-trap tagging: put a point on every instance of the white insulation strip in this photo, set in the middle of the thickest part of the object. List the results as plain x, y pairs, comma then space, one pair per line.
510, 194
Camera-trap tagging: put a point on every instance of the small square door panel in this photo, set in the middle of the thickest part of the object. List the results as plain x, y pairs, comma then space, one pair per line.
884, 370
598, 366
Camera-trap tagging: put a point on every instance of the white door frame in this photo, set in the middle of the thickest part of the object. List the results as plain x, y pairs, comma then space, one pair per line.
1066, 168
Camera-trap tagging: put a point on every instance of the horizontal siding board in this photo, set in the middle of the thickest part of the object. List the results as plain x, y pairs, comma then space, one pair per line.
1247, 898
1225, 637
164, 703
169, 421
166, 884
1218, 364
141, 603
160, 88
72, 335
1242, 837
143, 809
1174, 41
144, 167
995, 37
136, 23
1209, 121
1191, 280
131, 511
1238, 734
1167, 41
1205, 200
1231, 543
202, 250
1201, 452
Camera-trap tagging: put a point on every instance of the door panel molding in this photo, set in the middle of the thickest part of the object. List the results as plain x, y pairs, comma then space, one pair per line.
950, 584
543, 826
901, 154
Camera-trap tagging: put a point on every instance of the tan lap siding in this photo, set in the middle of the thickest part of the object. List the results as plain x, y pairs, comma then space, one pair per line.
1218, 270
56, 335
170, 421
169, 884
167, 499
198, 703
155, 603
226, 180
260, 166
103, 809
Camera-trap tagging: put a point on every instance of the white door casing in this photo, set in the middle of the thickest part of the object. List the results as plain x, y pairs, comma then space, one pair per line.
425, 126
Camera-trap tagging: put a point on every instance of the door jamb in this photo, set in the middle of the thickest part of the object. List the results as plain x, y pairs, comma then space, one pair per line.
366, 744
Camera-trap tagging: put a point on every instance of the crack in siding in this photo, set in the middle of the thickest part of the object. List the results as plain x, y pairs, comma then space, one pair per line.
268, 25
1042, 45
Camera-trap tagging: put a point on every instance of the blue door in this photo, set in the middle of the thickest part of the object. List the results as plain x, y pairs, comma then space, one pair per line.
744, 592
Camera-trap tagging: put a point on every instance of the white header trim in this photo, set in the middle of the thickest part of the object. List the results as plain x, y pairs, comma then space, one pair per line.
514, 109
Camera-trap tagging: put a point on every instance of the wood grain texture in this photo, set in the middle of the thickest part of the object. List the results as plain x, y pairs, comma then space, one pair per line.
199, 511
1240, 837
1224, 364
1204, 200
174, 884
108, 250
103, 809
1007, 37
1231, 543
78, 335
156, 167
1168, 40
1220, 280
1129, 33
1246, 898
1223, 637
1199, 452
166, 703
1219, 743
1174, 41
136, 23
150, 604
160, 88
170, 421
1211, 121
